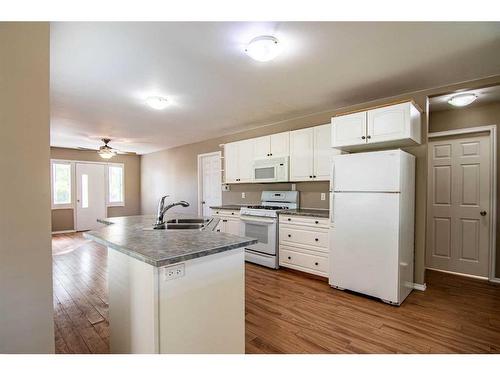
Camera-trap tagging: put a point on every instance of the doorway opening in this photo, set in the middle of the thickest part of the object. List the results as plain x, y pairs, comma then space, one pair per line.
209, 182
462, 184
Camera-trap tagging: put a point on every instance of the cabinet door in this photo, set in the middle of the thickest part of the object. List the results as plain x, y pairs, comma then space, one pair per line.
245, 160
301, 154
231, 162
232, 226
262, 147
389, 123
323, 152
280, 144
349, 130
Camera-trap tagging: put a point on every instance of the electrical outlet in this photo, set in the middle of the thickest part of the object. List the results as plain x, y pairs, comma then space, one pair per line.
323, 196
243, 195
173, 272
294, 187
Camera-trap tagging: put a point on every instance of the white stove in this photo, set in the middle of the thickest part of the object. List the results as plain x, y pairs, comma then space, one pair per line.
261, 222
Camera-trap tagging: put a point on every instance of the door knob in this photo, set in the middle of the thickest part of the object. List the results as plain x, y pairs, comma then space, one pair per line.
483, 213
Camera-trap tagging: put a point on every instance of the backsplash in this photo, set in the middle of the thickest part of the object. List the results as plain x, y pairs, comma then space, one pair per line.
310, 193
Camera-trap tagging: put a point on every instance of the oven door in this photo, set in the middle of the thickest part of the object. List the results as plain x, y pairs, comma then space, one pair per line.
265, 173
262, 229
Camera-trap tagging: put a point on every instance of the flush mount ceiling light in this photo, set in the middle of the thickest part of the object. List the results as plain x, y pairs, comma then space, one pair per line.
263, 48
157, 102
462, 100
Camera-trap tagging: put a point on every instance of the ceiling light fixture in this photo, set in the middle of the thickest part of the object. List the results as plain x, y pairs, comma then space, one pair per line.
106, 152
157, 102
263, 48
462, 100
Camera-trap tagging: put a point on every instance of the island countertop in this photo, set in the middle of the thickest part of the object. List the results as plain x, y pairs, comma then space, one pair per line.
162, 247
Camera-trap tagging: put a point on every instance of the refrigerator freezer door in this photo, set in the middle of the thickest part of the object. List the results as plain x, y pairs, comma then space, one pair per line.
364, 244
371, 171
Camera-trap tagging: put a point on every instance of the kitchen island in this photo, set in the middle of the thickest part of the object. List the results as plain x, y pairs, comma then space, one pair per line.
173, 290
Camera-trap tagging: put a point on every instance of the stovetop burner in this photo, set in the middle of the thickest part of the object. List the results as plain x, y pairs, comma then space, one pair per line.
258, 207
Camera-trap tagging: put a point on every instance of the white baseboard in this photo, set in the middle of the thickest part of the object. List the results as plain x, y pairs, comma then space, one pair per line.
421, 287
495, 280
64, 231
458, 274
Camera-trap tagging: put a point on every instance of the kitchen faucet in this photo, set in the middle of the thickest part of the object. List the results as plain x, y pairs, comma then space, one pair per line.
160, 222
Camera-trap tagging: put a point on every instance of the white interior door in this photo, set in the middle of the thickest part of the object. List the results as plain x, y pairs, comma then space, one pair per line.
210, 179
90, 195
458, 222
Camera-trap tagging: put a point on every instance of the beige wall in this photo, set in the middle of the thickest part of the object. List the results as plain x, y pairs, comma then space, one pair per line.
26, 312
174, 171
488, 114
62, 219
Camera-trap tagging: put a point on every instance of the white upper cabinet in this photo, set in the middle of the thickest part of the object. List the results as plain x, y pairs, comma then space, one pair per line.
272, 145
323, 152
311, 154
301, 154
238, 161
280, 144
394, 125
400, 121
349, 130
262, 146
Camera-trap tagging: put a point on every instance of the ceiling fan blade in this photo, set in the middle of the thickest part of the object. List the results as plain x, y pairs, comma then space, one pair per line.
125, 152
87, 149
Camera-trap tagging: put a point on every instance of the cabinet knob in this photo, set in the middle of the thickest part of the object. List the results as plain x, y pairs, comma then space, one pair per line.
289, 219
363, 137
368, 136
316, 222
218, 230
289, 257
232, 213
289, 235
316, 239
270, 154
316, 263
310, 176
314, 176
224, 221
267, 154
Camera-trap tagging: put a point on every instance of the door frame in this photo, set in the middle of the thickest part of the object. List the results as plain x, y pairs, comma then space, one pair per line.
492, 130
200, 179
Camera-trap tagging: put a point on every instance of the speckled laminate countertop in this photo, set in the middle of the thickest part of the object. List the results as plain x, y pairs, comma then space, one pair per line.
306, 212
162, 247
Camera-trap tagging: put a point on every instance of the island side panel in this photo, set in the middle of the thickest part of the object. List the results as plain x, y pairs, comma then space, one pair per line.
204, 311
133, 305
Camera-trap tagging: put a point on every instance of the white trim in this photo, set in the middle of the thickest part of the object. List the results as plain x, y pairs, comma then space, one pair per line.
62, 206
421, 287
64, 231
495, 280
492, 129
200, 182
458, 274
106, 181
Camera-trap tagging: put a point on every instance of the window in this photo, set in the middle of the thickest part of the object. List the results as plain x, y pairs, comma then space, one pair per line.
61, 184
115, 185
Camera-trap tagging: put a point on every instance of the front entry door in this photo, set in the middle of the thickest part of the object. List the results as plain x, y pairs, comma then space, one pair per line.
458, 223
90, 195
210, 180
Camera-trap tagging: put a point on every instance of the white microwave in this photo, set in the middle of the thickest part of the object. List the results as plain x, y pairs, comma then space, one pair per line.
273, 169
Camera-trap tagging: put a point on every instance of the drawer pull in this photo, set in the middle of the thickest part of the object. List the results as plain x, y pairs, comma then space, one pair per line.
232, 213
224, 221
316, 263
289, 257
316, 239
289, 235
218, 230
289, 219
316, 222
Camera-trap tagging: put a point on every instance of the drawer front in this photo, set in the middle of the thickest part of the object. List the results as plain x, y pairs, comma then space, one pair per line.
305, 220
304, 262
298, 237
233, 213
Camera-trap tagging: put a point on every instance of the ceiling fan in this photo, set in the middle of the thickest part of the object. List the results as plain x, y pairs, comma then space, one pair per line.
106, 151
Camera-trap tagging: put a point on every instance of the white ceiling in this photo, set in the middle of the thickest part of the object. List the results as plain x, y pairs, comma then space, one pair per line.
101, 74
484, 95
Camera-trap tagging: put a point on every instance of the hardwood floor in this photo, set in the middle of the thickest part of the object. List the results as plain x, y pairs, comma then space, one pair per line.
287, 312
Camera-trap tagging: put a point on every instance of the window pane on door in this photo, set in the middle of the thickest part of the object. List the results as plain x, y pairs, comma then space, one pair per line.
85, 191
115, 184
61, 183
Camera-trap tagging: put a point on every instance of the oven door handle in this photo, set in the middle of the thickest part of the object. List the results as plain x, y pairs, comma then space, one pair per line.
257, 221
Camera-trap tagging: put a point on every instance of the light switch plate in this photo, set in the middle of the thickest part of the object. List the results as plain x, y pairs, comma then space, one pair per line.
243, 195
323, 196
294, 187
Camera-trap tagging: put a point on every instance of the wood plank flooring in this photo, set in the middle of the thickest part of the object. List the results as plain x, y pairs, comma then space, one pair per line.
287, 312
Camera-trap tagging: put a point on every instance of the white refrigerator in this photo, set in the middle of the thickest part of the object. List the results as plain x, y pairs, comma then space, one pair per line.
372, 224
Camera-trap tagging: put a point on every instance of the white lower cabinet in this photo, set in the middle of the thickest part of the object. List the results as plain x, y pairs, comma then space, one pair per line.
229, 221
304, 243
